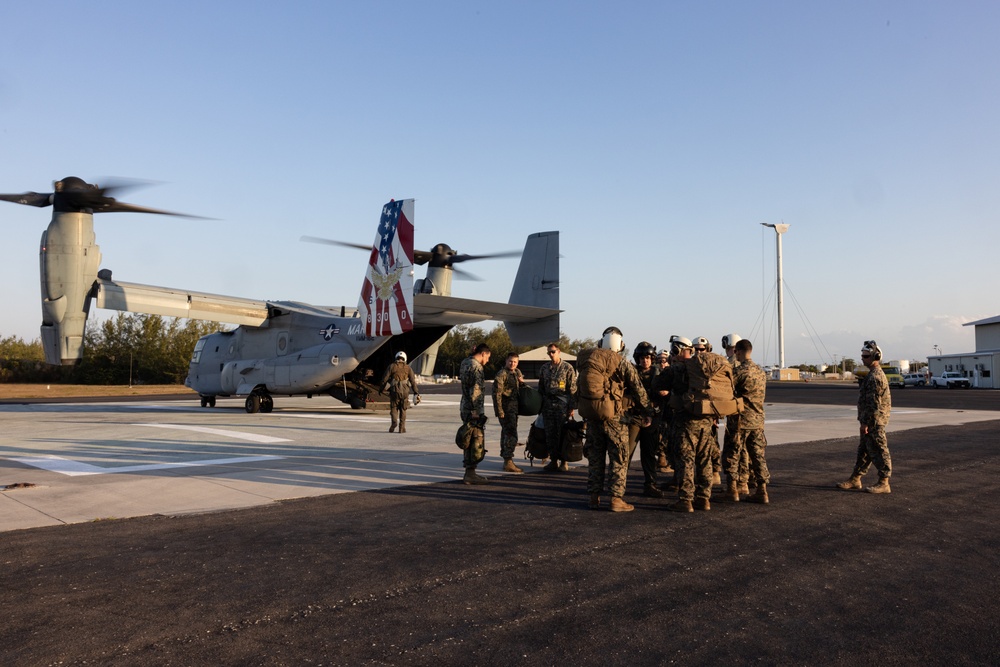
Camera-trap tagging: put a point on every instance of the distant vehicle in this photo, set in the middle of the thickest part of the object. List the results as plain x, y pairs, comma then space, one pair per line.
915, 379
950, 379
892, 375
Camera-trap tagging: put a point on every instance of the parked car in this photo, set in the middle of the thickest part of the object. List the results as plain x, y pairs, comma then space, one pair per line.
892, 375
950, 379
914, 379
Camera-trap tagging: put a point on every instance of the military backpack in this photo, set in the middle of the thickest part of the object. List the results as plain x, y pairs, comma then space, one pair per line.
599, 389
710, 386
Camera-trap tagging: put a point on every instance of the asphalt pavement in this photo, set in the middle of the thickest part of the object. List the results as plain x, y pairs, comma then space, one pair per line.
520, 572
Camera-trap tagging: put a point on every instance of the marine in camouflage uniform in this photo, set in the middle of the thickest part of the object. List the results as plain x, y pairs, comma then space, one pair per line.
557, 385
874, 406
505, 393
750, 383
397, 382
735, 461
471, 409
608, 442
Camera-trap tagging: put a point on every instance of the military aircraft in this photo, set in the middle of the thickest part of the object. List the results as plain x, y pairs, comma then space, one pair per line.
287, 348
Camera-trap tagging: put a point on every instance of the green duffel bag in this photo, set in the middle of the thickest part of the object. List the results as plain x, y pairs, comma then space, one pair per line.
529, 401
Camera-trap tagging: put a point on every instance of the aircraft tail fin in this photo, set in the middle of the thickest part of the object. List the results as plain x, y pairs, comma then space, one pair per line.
537, 284
386, 303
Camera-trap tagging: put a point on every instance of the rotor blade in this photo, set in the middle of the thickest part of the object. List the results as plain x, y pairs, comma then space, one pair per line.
29, 199
122, 207
465, 258
462, 274
343, 244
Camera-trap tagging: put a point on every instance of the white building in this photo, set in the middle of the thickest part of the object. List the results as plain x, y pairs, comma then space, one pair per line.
981, 366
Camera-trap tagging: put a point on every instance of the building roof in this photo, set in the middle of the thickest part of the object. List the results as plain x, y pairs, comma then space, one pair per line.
988, 320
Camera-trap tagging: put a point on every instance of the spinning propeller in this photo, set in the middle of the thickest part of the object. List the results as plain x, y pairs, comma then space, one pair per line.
74, 195
440, 256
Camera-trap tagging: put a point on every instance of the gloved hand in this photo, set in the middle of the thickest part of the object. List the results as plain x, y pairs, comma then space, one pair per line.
416, 399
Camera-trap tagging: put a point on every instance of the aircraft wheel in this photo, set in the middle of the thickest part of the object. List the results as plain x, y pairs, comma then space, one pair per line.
266, 403
253, 403
204, 401
211, 401
357, 403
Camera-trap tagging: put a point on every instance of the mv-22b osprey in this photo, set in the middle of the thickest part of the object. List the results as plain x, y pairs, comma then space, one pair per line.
287, 348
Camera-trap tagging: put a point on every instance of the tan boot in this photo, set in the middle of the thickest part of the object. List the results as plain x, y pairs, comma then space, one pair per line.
702, 504
744, 488
472, 478
663, 465
881, 487
595, 501
392, 428
402, 428
508, 466
564, 466
732, 492
651, 491
716, 478
551, 466
853, 483
760, 496
681, 506
619, 505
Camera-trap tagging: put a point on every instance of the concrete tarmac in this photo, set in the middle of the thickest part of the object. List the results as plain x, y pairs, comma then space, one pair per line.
417, 568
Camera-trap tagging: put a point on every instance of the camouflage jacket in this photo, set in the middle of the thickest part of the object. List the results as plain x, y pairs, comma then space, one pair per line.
751, 384
874, 403
635, 393
505, 387
470, 374
557, 384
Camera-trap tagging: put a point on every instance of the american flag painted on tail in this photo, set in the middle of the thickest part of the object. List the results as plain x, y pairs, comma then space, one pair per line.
386, 303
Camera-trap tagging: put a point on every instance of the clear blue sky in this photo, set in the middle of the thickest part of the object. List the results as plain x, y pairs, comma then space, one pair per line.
656, 136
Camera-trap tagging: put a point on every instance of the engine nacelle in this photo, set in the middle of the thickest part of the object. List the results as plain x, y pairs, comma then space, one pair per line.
69, 260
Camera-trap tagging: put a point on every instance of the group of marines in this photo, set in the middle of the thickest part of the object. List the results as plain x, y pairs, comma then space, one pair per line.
649, 416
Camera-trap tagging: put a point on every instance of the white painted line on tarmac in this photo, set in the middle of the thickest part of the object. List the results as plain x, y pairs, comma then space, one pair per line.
76, 468
252, 437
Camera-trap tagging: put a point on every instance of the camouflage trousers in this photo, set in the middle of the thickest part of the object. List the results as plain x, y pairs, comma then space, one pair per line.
397, 411
508, 432
716, 451
735, 459
476, 451
874, 448
607, 456
754, 443
694, 457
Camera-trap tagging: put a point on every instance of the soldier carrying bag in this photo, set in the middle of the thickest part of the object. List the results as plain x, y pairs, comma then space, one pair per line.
599, 392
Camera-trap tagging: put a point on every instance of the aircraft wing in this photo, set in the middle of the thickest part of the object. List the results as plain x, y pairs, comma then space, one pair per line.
436, 310
136, 298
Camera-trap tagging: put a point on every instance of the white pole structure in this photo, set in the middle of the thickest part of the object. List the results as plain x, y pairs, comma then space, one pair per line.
778, 231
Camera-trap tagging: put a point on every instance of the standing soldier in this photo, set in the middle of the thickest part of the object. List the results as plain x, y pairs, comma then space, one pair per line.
397, 382
874, 405
607, 432
505, 391
734, 454
557, 385
750, 383
470, 374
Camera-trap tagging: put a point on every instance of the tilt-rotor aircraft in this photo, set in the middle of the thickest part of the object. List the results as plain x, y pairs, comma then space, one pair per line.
287, 348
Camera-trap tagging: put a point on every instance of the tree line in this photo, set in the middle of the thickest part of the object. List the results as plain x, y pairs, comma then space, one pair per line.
129, 348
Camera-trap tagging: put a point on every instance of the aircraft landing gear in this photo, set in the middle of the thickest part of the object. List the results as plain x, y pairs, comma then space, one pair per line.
208, 401
259, 401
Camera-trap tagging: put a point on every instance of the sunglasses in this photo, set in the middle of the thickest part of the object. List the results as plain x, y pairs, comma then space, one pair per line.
551, 352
